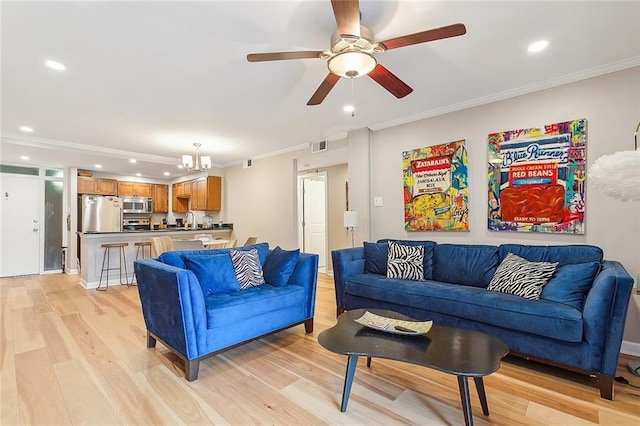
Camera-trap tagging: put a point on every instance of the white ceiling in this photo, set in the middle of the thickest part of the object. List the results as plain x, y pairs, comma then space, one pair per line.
146, 79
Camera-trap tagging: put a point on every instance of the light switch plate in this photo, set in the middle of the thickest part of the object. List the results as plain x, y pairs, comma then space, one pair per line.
377, 202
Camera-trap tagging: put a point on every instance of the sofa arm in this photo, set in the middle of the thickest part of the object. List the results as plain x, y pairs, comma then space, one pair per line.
346, 263
305, 275
605, 313
173, 306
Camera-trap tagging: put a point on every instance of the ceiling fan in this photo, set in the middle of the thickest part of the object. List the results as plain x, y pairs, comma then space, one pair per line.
352, 51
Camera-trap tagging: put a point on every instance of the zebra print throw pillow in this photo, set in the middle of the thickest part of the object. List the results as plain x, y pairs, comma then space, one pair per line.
520, 277
246, 263
405, 262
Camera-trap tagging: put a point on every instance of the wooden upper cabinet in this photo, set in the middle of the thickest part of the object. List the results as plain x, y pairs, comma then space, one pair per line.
134, 189
160, 196
101, 186
209, 193
179, 203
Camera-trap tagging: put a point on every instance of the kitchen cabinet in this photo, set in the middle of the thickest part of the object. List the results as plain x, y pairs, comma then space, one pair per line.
160, 196
93, 185
206, 193
180, 201
134, 189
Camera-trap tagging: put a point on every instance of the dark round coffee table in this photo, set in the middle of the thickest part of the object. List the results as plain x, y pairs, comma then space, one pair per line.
463, 353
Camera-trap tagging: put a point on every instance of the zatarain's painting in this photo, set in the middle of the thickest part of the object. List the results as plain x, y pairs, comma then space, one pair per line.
435, 188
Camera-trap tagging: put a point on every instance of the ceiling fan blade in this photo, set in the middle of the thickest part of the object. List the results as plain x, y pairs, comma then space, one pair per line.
347, 13
324, 89
279, 56
424, 36
389, 81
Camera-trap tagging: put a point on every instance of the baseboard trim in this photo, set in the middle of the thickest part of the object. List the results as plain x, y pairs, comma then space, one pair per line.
630, 348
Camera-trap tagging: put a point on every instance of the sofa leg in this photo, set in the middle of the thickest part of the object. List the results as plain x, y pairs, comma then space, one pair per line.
191, 369
151, 341
606, 386
308, 326
339, 310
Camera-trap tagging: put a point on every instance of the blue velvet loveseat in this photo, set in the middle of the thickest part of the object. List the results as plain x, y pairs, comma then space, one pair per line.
195, 304
576, 323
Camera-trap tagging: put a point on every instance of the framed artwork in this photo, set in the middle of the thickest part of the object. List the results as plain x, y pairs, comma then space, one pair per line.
537, 178
435, 188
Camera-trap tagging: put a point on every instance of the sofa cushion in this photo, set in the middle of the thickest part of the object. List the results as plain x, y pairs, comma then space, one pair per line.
571, 283
174, 258
215, 273
471, 265
429, 247
564, 255
247, 267
375, 258
520, 277
279, 266
405, 262
230, 309
539, 317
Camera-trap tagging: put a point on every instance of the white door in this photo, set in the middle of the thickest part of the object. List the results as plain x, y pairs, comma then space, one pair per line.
314, 217
20, 221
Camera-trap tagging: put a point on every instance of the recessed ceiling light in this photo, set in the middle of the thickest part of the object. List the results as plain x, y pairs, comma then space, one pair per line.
138, 174
133, 161
167, 174
537, 46
26, 129
180, 166
98, 166
348, 108
24, 157
55, 65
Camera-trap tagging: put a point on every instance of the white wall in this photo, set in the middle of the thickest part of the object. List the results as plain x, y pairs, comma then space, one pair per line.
261, 200
611, 105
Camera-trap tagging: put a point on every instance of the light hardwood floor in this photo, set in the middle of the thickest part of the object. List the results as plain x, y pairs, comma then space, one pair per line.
72, 356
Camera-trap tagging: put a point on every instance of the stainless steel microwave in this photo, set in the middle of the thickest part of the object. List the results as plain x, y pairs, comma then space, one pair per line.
137, 205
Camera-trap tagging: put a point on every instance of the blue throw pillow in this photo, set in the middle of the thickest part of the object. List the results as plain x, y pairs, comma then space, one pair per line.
375, 258
214, 272
571, 283
279, 266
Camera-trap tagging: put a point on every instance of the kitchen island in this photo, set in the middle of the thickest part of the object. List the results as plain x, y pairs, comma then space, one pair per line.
91, 252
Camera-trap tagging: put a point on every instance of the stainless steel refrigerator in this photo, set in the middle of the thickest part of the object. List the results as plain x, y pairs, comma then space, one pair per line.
101, 214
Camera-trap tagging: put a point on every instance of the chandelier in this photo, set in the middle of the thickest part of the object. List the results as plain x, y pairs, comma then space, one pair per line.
201, 163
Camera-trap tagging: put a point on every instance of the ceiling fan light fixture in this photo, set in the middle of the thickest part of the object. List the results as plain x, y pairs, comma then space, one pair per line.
351, 64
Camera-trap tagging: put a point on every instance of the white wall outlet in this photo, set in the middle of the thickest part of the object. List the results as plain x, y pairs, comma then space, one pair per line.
377, 202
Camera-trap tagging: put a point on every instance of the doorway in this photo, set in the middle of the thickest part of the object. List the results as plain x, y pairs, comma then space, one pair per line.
312, 214
20, 224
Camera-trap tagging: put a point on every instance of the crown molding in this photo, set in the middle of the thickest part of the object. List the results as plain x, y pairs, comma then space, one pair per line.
569, 78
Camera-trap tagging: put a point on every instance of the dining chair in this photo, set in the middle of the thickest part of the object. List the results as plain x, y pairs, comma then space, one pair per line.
250, 241
159, 245
181, 245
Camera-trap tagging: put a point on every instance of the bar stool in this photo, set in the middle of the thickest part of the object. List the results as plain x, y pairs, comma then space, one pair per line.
106, 258
140, 246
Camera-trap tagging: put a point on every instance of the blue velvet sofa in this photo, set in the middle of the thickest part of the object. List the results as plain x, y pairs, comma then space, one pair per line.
577, 323
192, 302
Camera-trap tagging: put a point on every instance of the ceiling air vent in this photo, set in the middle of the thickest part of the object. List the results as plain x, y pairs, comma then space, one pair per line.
247, 163
318, 147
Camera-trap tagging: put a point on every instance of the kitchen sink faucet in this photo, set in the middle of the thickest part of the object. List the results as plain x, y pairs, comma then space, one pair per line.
193, 219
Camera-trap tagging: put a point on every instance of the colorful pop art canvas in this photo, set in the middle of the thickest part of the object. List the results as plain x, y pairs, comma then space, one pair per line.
537, 178
435, 188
